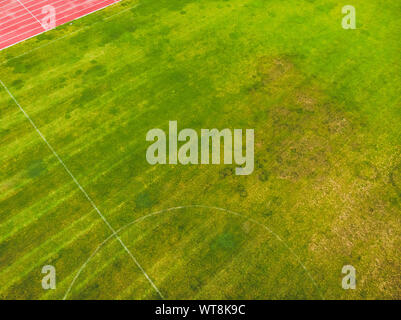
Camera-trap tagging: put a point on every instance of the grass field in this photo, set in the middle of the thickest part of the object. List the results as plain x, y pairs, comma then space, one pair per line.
325, 104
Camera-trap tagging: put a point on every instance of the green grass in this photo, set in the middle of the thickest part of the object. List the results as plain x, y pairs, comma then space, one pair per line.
324, 103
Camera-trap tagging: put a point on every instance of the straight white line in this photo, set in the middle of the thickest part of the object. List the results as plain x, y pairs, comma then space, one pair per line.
17, 14
121, 11
59, 12
60, 17
82, 190
31, 14
65, 36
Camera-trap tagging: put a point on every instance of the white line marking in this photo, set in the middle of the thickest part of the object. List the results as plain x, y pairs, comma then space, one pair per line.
122, 11
19, 16
82, 190
31, 14
65, 36
60, 16
187, 207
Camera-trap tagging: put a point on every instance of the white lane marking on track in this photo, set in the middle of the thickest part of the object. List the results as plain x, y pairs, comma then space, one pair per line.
82, 190
65, 36
202, 207
31, 14
60, 15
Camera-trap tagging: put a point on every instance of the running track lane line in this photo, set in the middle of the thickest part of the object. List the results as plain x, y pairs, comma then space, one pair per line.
66, 35
30, 13
114, 233
101, 4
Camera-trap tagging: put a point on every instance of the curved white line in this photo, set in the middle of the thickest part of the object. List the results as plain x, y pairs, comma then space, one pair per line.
81, 188
187, 207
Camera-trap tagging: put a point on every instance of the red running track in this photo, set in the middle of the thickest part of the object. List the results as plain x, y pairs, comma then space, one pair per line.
23, 19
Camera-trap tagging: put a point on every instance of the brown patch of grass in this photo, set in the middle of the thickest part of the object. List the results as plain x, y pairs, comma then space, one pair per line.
306, 101
272, 69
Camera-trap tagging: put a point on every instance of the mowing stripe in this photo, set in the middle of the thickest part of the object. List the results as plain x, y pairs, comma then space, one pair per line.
82, 190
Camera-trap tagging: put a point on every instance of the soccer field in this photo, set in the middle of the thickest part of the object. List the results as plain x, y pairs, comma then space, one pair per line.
77, 191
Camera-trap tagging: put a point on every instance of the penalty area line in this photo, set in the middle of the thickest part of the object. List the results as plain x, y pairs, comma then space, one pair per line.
114, 233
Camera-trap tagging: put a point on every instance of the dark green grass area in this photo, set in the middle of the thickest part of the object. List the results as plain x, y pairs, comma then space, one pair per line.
325, 105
